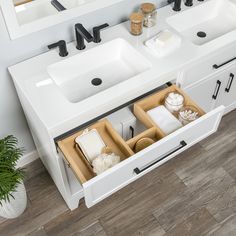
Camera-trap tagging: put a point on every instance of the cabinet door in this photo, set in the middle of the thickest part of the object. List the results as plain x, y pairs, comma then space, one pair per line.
228, 95
207, 92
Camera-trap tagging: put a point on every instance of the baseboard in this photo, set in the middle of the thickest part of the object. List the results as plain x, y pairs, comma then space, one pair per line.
28, 158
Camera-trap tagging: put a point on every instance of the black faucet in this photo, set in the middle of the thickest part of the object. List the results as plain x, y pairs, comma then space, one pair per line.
177, 4
81, 34
62, 47
96, 32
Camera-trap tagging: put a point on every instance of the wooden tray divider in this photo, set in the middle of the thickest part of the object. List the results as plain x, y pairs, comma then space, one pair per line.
152, 133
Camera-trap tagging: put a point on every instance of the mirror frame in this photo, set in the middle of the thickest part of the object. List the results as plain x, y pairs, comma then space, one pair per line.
15, 30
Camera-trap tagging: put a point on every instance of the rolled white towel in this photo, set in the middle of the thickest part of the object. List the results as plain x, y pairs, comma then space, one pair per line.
104, 161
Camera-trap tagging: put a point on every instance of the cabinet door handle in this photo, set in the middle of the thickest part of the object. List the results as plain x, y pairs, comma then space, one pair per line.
231, 79
217, 89
131, 128
180, 146
223, 64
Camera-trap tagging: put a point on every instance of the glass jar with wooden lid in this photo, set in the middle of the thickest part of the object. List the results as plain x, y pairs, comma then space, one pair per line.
136, 23
149, 12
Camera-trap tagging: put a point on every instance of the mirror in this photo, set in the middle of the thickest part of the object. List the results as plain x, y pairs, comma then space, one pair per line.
30, 10
23, 17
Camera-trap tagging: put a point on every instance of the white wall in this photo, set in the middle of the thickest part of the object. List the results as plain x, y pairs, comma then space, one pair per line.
12, 120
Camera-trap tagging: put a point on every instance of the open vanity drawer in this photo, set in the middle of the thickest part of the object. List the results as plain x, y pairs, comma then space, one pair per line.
133, 164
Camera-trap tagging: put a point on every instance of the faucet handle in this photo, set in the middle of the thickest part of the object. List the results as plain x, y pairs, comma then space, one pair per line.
96, 32
177, 4
189, 3
62, 47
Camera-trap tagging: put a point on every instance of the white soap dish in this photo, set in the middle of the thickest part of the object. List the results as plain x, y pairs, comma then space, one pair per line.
164, 43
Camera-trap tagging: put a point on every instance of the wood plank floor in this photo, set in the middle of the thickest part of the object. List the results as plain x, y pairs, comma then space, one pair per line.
193, 194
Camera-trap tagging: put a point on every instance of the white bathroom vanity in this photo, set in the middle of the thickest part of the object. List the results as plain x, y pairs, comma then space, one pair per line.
59, 100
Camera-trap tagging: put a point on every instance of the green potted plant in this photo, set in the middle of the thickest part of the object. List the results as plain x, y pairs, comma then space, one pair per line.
13, 199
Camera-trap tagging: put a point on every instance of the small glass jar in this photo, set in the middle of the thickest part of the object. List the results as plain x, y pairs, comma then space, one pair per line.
174, 101
136, 23
188, 114
149, 12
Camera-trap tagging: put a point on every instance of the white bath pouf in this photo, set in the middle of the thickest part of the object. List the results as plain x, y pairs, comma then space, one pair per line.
104, 161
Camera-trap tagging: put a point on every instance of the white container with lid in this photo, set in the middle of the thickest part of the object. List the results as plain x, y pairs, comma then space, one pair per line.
149, 12
174, 101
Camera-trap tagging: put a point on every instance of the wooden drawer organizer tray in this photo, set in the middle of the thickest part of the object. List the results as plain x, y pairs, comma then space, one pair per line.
141, 107
110, 137
113, 140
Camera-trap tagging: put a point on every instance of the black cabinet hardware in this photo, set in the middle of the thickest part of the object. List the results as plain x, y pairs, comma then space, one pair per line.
131, 128
231, 78
180, 146
62, 47
58, 5
223, 64
217, 89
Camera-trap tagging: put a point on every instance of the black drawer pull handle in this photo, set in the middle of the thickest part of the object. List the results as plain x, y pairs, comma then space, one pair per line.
131, 128
217, 89
223, 64
231, 79
181, 145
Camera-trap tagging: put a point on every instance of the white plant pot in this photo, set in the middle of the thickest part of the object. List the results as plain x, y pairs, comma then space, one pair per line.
17, 205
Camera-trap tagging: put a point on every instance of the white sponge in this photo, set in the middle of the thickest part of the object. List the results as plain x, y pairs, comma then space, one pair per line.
163, 37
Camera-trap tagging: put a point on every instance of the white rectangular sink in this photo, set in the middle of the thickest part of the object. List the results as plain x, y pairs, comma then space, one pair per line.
97, 69
206, 22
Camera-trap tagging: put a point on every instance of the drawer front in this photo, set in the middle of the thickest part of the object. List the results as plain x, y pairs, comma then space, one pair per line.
141, 163
208, 65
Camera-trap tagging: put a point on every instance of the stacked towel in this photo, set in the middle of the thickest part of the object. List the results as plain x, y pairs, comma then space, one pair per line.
167, 122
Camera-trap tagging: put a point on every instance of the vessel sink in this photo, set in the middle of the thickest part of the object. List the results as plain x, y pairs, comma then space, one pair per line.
206, 22
97, 69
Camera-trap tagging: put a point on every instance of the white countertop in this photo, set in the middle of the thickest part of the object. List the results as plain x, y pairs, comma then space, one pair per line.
59, 115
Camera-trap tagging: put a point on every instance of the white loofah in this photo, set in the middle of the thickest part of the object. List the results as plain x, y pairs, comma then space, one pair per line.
104, 161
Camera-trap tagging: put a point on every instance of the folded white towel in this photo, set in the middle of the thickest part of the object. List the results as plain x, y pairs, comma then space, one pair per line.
91, 144
167, 122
